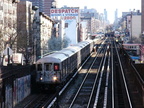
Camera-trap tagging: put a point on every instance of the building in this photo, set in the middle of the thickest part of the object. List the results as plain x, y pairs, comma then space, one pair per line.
24, 24
46, 27
116, 14
84, 31
8, 24
95, 22
142, 9
131, 25
142, 19
71, 18
136, 26
116, 19
105, 15
90, 15
35, 29
36, 33
44, 5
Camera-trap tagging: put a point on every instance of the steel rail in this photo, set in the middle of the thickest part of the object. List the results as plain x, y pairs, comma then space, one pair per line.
67, 84
94, 84
125, 84
98, 90
83, 82
106, 85
112, 70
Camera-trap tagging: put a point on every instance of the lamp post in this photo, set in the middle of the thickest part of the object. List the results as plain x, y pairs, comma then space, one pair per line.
35, 32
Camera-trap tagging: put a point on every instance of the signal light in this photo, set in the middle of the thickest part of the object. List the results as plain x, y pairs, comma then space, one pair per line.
56, 67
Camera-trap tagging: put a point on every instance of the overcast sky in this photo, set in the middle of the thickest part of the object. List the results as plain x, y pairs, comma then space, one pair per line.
100, 5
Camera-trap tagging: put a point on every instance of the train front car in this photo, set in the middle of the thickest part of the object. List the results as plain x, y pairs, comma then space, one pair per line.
49, 69
56, 68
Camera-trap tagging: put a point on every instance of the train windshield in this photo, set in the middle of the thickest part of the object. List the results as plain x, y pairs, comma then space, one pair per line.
39, 67
56, 67
48, 66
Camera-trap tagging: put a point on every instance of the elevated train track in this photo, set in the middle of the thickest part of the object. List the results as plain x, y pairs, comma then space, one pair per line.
103, 81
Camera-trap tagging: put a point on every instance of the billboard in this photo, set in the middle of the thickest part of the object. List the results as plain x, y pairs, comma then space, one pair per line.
66, 14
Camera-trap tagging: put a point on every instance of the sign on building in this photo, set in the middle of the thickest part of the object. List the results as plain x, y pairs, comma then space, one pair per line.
66, 14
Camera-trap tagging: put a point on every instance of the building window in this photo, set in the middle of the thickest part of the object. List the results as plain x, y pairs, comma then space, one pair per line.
66, 25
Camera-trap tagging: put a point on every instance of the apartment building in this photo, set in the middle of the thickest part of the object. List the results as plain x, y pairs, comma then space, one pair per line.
44, 5
46, 27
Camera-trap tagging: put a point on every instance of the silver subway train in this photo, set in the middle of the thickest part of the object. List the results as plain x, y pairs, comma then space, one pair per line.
57, 68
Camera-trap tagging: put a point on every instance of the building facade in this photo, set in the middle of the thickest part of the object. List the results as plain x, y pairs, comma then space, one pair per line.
142, 10
90, 16
45, 5
142, 19
71, 18
136, 26
46, 27
24, 24
8, 23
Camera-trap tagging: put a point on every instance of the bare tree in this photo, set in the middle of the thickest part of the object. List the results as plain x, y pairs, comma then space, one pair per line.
8, 36
1, 41
24, 45
15, 37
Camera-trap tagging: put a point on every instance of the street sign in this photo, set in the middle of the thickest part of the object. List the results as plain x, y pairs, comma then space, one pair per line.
7, 51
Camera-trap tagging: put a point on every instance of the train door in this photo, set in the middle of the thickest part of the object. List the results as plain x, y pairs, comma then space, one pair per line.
48, 71
39, 72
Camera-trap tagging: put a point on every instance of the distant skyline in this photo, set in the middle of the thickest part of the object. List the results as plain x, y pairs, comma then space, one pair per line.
100, 5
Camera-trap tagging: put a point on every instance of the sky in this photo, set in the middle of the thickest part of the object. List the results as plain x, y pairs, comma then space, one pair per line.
100, 5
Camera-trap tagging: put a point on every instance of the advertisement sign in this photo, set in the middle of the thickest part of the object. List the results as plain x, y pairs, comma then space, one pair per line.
66, 14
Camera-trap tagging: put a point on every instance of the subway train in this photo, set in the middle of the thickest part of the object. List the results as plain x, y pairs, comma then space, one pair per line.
59, 66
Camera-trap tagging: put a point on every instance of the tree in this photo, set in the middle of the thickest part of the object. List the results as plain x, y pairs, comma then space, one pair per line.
1, 42
56, 43
15, 37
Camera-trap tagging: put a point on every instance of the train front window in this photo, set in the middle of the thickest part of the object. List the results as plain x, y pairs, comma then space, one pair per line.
48, 66
56, 67
39, 67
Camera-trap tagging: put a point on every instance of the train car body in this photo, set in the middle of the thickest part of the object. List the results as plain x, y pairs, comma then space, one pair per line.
57, 67
133, 51
132, 46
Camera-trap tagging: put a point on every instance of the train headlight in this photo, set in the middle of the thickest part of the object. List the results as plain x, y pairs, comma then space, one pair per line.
41, 78
55, 78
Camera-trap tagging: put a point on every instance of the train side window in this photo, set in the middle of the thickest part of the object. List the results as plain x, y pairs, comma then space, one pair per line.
39, 67
48, 66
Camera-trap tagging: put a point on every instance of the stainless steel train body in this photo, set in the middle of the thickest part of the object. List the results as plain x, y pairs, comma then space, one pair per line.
57, 67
